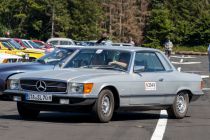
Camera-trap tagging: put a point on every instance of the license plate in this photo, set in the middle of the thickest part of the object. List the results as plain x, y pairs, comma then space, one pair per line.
39, 97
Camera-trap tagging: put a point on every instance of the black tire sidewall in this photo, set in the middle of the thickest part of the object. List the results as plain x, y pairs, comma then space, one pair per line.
25, 112
174, 109
97, 107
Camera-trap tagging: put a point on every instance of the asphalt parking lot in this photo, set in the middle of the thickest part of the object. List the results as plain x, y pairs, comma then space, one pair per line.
124, 126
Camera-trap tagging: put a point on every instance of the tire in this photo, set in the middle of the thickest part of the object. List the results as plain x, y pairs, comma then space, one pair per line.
104, 106
180, 106
26, 112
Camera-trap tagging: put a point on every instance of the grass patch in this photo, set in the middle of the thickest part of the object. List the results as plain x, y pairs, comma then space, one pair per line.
190, 48
184, 48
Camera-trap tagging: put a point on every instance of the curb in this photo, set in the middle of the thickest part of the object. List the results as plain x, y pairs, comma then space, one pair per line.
191, 53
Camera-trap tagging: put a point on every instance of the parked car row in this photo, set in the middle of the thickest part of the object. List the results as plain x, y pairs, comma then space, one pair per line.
31, 50
27, 49
99, 79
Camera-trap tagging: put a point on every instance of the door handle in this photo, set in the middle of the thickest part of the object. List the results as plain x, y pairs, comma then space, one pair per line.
161, 79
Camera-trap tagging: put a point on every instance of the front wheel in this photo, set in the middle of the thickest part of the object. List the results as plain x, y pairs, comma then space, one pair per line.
25, 112
104, 106
180, 106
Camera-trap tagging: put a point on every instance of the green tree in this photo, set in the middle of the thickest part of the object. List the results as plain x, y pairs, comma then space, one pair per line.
185, 22
86, 17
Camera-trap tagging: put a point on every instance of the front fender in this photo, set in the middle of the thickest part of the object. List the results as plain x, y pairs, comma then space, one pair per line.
194, 92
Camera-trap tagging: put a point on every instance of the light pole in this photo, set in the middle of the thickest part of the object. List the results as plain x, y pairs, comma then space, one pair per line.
53, 18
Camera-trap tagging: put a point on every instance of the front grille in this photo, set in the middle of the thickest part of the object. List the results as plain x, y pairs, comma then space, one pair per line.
51, 86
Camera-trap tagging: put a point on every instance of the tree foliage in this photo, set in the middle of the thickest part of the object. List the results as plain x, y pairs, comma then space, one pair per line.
185, 22
148, 22
77, 19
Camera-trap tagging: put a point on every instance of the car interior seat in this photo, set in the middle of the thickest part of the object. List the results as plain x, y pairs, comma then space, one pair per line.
97, 60
124, 57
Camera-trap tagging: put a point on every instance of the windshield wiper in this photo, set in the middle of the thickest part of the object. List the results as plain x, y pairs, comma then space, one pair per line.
111, 67
103, 67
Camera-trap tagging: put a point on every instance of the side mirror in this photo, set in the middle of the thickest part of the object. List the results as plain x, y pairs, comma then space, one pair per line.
138, 69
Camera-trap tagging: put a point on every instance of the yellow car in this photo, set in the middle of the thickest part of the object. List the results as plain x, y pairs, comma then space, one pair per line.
31, 54
6, 48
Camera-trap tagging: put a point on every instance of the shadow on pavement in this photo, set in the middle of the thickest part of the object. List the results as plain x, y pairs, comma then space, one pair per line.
63, 117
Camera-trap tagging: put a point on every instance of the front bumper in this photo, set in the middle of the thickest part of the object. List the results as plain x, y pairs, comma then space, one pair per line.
55, 104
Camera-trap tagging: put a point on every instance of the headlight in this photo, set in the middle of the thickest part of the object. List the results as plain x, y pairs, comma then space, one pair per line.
14, 84
83, 88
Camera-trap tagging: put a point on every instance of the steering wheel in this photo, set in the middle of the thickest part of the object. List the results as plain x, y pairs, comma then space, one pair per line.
116, 65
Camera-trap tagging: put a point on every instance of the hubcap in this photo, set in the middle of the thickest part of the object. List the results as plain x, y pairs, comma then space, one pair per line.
105, 105
181, 103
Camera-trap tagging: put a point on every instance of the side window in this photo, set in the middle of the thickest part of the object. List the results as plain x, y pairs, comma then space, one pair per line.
69, 43
54, 42
149, 60
83, 58
64, 43
164, 61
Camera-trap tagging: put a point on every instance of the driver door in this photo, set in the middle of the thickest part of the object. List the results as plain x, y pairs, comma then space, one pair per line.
149, 84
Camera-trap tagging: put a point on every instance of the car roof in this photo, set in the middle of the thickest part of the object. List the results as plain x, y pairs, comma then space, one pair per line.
59, 38
122, 48
25, 40
122, 44
70, 47
4, 38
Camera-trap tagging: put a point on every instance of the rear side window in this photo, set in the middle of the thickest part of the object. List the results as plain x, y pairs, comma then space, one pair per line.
70, 43
164, 61
64, 43
149, 60
54, 42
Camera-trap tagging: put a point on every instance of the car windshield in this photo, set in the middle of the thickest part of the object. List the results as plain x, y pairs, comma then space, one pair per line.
36, 46
7, 45
15, 44
39, 43
101, 59
57, 56
26, 44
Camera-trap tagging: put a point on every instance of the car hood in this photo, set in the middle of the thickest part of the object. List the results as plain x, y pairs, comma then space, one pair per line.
24, 66
68, 74
34, 50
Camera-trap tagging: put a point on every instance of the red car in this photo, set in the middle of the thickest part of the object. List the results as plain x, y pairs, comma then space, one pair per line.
21, 43
48, 48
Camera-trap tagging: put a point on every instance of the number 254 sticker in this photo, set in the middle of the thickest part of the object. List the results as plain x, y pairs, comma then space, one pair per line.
150, 85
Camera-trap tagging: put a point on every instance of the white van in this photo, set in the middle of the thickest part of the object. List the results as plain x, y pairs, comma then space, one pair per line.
60, 41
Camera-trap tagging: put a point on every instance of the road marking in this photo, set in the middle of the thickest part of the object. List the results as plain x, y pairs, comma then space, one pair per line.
185, 63
206, 89
194, 71
204, 76
188, 57
161, 126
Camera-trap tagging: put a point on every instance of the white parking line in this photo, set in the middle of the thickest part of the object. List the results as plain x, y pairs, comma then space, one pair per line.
185, 63
206, 89
161, 126
204, 76
188, 57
